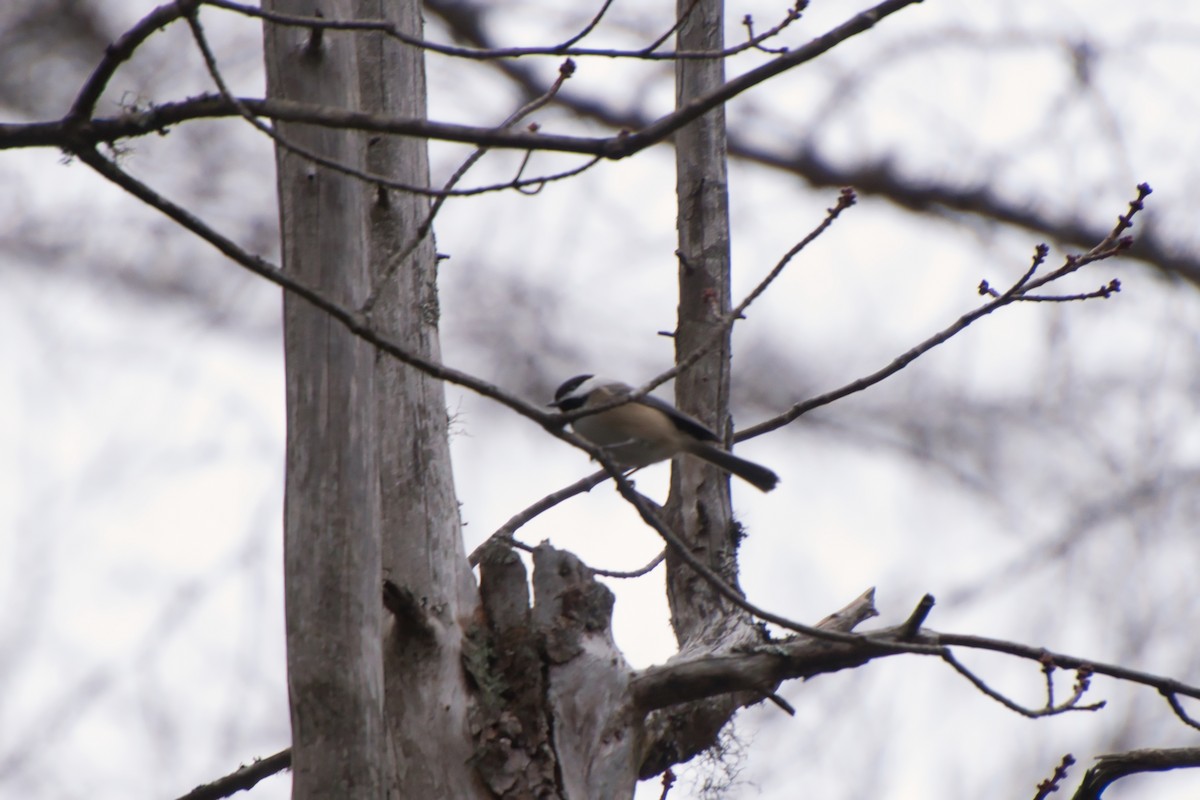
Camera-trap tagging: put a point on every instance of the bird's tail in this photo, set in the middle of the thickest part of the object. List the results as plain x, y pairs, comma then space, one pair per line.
755, 474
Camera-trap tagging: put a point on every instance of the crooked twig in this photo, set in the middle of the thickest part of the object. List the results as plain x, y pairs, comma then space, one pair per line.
1049, 709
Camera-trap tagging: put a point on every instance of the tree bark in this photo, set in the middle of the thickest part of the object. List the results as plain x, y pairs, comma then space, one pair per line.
369, 487
427, 699
331, 505
699, 507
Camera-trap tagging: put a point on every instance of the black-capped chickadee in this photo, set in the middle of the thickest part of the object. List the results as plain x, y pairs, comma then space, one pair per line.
647, 430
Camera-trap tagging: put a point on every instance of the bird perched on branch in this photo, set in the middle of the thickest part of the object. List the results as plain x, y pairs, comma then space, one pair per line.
647, 430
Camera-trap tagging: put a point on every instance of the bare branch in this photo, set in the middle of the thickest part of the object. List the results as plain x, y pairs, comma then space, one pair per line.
587, 29
1172, 699
1112, 245
756, 42
637, 573
1115, 766
671, 31
1048, 710
80, 134
847, 618
860, 23
1168, 687
548, 502
353, 321
157, 119
756, 670
845, 200
650, 515
917, 618
364, 175
243, 778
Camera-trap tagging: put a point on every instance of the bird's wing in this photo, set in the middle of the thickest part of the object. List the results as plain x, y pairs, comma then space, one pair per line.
688, 424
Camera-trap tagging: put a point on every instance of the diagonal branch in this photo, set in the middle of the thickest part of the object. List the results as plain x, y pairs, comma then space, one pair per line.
352, 320
1112, 245
243, 778
845, 200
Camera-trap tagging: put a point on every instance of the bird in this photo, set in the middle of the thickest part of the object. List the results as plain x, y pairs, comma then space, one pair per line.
647, 430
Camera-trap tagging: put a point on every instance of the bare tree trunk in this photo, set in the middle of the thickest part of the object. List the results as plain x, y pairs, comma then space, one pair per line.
699, 507
332, 510
427, 697
369, 491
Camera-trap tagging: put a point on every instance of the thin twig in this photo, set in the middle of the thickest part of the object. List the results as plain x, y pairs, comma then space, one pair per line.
591, 26
1070, 704
637, 573
1172, 698
1166, 686
1051, 784
845, 200
669, 32
541, 506
489, 54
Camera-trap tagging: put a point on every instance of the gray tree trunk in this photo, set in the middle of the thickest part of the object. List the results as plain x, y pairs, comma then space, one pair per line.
699, 507
427, 700
331, 504
369, 490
